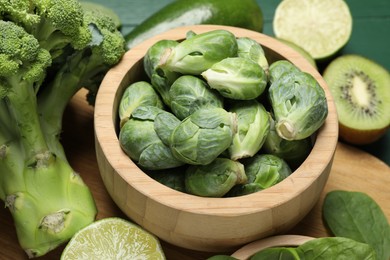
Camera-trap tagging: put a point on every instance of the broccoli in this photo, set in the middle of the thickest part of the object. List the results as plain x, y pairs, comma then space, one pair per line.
47, 199
54, 23
43, 64
82, 68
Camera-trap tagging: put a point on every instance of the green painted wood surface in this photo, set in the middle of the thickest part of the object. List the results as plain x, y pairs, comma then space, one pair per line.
370, 36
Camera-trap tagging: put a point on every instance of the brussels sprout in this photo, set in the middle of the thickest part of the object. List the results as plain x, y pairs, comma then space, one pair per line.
189, 93
299, 105
172, 178
294, 152
278, 68
214, 179
237, 78
154, 53
251, 49
199, 52
161, 79
204, 135
253, 127
141, 142
137, 94
263, 171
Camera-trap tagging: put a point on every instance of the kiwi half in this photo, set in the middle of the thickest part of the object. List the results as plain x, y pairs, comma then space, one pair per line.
361, 91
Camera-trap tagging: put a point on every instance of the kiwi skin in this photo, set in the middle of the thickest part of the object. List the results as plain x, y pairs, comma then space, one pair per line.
372, 130
360, 137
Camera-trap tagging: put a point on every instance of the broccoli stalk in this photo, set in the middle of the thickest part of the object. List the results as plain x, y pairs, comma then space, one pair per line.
48, 200
82, 68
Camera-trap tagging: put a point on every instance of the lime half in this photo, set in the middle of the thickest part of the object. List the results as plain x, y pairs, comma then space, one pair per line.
113, 238
321, 27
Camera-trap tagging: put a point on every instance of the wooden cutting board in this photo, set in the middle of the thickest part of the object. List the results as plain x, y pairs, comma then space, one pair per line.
352, 170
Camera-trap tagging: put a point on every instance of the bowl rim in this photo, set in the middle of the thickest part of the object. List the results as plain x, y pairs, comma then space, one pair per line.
303, 177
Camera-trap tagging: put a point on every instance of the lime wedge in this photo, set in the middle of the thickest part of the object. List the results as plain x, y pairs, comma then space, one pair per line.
321, 27
113, 238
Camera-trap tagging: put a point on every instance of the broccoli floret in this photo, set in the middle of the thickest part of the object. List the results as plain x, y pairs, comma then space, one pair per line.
55, 23
48, 201
22, 60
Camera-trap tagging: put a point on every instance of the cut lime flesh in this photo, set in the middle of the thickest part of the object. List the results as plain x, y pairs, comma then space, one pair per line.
113, 238
317, 26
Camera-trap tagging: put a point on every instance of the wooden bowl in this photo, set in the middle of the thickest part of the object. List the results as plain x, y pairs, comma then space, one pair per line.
206, 224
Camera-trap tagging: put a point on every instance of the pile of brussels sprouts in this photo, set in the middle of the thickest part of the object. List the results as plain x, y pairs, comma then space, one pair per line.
216, 119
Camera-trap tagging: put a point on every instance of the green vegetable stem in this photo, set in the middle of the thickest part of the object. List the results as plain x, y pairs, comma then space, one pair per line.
47, 199
48, 51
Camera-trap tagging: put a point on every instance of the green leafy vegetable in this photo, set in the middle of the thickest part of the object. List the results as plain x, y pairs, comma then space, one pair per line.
320, 249
357, 216
172, 177
216, 84
237, 78
299, 105
214, 179
336, 247
222, 257
277, 253
253, 127
141, 142
140, 93
251, 49
278, 68
204, 135
161, 79
294, 152
199, 52
263, 171
189, 93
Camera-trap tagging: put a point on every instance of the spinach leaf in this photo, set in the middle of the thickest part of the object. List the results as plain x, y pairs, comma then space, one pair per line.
222, 257
357, 216
320, 249
336, 248
278, 253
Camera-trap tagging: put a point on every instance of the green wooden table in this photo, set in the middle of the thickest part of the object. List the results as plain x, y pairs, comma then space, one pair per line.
370, 36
